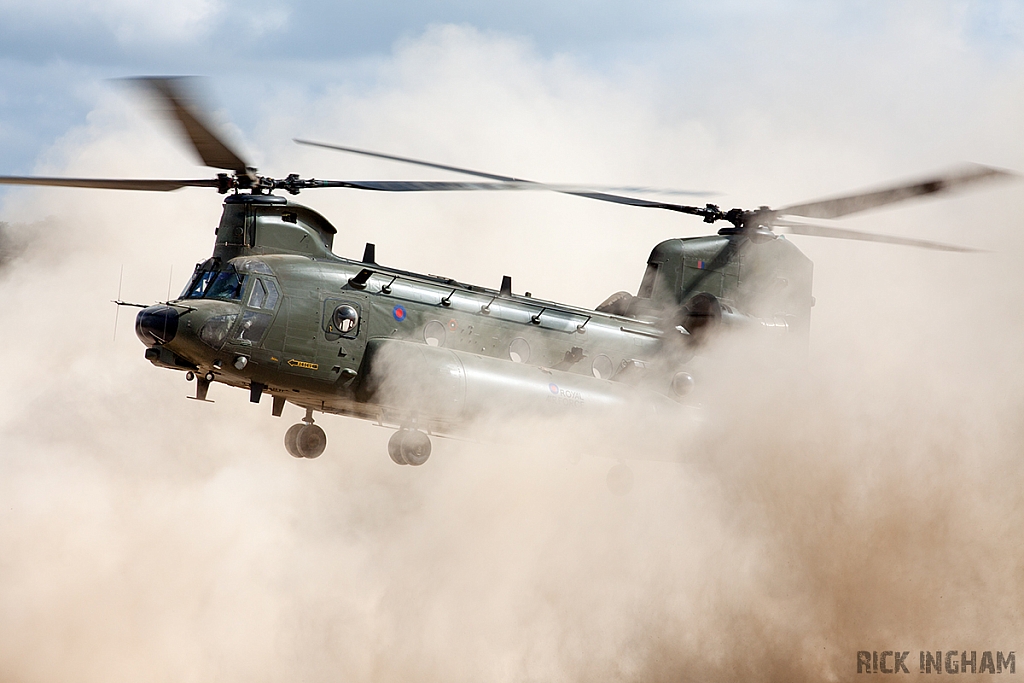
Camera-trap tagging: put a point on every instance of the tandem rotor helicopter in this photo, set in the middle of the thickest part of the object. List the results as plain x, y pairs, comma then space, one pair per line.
275, 311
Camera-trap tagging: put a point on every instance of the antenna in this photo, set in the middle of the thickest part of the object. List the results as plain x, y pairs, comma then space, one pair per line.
170, 278
117, 311
370, 253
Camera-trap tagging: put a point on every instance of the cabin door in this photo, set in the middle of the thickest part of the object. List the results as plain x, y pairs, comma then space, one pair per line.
343, 331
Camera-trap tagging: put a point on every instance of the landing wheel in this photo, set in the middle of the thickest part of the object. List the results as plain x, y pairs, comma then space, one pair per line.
415, 447
305, 440
290, 438
620, 479
311, 441
409, 447
395, 448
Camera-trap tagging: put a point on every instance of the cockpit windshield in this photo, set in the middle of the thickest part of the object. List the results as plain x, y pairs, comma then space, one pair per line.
219, 283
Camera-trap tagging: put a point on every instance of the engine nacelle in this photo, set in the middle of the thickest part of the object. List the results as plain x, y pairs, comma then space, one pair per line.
704, 313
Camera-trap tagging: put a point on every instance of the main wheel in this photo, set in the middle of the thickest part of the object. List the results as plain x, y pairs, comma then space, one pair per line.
415, 447
395, 447
290, 438
310, 441
620, 479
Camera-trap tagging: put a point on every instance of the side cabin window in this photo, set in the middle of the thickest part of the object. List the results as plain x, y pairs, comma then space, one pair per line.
346, 319
341, 319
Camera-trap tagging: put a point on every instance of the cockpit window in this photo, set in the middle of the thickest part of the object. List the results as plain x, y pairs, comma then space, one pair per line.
248, 264
258, 295
263, 294
227, 285
216, 284
196, 288
272, 294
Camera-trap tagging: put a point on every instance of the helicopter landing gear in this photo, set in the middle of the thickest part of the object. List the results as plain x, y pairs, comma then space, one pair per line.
409, 447
395, 448
305, 439
620, 479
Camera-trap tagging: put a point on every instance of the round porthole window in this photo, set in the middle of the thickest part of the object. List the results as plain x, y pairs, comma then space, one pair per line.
682, 383
433, 333
519, 350
345, 319
602, 367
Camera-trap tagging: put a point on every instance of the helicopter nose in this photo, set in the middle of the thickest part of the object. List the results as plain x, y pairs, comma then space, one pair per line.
156, 325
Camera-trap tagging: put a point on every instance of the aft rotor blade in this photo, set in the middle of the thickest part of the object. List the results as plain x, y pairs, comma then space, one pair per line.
835, 207
423, 185
459, 185
178, 95
156, 185
813, 230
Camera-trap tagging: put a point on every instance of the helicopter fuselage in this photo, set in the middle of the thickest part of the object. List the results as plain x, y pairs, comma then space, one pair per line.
275, 311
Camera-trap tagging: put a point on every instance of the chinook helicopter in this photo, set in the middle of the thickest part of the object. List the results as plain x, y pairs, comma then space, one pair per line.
274, 311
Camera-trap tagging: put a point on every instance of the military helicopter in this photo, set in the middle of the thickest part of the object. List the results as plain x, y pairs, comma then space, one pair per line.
273, 310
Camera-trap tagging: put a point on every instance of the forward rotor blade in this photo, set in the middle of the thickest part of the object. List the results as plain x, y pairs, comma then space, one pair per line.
846, 234
835, 207
589, 191
157, 185
407, 160
178, 97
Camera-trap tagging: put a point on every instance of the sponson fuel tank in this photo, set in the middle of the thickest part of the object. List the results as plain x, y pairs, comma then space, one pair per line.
445, 385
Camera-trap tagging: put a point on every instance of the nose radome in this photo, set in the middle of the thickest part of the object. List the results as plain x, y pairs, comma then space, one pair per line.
156, 325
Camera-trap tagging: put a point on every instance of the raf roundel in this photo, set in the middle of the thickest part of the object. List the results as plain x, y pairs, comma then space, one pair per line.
399, 313
554, 388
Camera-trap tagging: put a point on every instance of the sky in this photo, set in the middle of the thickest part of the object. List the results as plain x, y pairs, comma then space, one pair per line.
152, 538
55, 55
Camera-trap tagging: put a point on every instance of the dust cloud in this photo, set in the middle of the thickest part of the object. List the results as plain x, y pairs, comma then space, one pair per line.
11, 245
869, 501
